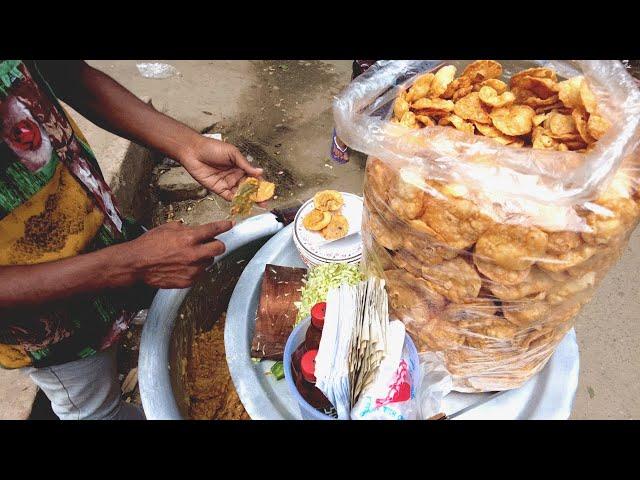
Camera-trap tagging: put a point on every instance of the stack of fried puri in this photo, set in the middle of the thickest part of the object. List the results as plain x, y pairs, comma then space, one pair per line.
494, 298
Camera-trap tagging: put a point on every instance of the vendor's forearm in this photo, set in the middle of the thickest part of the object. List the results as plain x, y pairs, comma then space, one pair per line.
32, 286
112, 107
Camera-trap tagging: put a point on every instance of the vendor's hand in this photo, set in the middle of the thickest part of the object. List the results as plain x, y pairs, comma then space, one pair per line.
173, 255
218, 166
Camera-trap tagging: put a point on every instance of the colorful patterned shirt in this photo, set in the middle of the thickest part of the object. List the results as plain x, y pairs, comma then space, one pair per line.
54, 204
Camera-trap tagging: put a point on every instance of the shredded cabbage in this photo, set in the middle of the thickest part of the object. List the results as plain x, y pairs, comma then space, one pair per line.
320, 280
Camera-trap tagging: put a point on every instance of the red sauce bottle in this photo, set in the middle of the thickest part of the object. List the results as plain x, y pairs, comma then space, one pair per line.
314, 332
306, 384
303, 363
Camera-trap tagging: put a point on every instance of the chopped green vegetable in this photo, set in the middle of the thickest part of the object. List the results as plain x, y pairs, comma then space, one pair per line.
320, 280
242, 202
277, 370
256, 360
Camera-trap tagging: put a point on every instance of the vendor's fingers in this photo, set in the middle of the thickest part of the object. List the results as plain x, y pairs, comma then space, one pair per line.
234, 177
209, 231
227, 194
207, 251
226, 182
242, 163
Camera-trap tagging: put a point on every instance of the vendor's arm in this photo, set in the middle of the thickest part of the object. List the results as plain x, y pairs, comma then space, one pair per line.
218, 166
170, 256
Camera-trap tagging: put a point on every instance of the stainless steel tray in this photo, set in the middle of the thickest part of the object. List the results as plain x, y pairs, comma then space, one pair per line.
548, 395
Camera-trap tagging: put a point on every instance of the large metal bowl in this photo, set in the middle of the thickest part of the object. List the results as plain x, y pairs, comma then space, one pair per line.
176, 315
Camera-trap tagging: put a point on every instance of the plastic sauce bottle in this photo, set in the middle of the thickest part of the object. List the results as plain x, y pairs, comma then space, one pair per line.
306, 384
303, 363
314, 332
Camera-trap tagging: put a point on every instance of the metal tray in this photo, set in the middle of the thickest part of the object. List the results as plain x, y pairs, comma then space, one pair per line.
548, 395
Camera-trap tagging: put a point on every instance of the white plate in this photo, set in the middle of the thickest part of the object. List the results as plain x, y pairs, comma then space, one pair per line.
548, 395
313, 244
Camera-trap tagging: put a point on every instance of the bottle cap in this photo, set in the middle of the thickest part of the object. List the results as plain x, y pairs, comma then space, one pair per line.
317, 314
308, 365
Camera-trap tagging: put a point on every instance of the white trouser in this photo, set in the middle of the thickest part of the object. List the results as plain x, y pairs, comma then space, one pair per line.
86, 389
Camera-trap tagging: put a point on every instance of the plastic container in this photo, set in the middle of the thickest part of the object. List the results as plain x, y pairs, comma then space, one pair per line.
293, 342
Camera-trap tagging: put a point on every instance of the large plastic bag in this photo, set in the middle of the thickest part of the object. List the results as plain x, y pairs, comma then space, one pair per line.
490, 251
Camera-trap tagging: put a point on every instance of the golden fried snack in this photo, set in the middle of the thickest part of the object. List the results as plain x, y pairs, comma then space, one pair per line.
488, 332
409, 120
379, 176
525, 313
489, 96
569, 92
316, 220
471, 108
435, 335
251, 190
400, 107
562, 242
479, 103
426, 120
498, 85
536, 283
481, 70
407, 196
415, 304
458, 123
569, 288
597, 126
563, 261
537, 72
460, 86
265, 191
561, 127
580, 118
500, 274
610, 224
328, 200
441, 81
337, 228
431, 106
453, 221
541, 87
455, 279
420, 87
600, 263
411, 298
426, 250
588, 99
488, 130
381, 233
513, 247
514, 120
406, 261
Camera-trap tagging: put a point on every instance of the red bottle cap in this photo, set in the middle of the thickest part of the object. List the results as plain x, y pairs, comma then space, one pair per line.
308, 366
317, 314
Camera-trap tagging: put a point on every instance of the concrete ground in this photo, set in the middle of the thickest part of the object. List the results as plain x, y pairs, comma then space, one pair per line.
278, 112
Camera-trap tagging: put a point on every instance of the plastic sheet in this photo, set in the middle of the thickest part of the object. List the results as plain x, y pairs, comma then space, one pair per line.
489, 251
157, 70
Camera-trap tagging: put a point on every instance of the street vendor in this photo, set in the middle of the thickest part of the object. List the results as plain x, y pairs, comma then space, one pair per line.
73, 270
